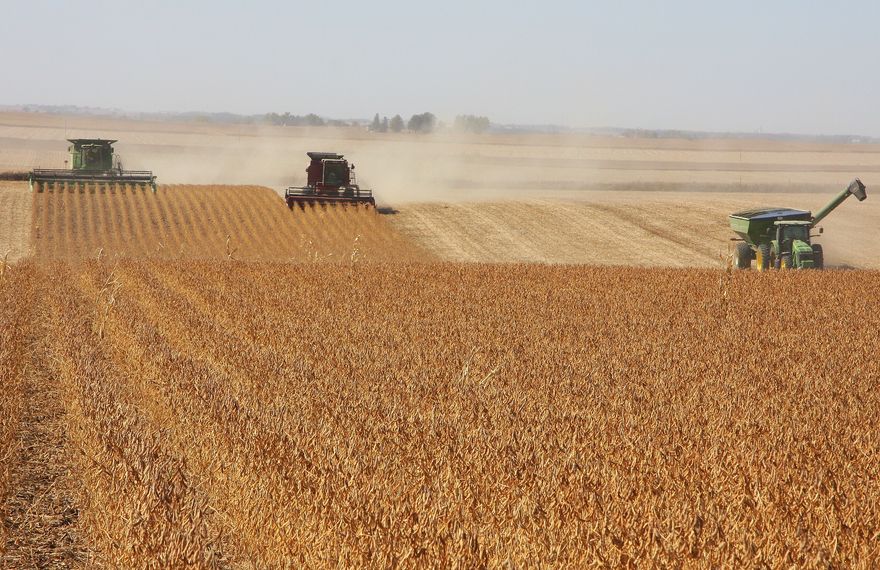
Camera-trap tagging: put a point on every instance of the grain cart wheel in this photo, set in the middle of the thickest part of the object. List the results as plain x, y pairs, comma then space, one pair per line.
818, 257
786, 261
742, 256
762, 257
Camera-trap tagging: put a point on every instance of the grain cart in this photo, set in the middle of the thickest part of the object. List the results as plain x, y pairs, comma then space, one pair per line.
780, 237
92, 165
331, 180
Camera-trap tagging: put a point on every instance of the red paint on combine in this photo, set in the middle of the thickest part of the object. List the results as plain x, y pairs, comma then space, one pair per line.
330, 180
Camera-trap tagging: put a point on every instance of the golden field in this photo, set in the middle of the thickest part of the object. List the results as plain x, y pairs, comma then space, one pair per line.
535, 355
207, 222
229, 414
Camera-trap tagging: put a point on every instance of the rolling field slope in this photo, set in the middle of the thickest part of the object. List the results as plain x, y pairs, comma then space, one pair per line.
648, 229
207, 222
598, 233
232, 415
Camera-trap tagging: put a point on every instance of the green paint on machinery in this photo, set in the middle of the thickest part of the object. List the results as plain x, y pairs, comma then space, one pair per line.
780, 238
92, 165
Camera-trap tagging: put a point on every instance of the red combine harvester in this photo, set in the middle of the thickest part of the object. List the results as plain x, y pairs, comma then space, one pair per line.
331, 180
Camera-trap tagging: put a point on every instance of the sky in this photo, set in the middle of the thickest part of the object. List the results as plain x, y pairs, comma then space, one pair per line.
789, 66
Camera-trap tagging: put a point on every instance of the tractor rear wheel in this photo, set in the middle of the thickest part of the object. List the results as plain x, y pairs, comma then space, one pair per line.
762, 257
818, 257
742, 256
786, 261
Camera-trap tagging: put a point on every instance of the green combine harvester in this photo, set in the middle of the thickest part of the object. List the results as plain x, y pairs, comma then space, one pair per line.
780, 237
92, 166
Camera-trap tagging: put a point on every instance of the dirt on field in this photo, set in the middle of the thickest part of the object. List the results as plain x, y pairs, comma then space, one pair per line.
208, 222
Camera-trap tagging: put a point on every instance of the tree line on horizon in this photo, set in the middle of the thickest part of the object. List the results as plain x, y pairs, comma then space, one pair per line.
419, 123
310, 120
427, 123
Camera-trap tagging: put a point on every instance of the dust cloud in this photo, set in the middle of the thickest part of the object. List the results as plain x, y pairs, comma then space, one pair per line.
417, 168
695, 183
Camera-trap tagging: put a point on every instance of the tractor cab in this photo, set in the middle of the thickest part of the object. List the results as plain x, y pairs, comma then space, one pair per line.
91, 154
786, 232
791, 247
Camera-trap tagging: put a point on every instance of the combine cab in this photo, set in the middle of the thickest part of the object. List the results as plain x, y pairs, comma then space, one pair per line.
331, 180
92, 166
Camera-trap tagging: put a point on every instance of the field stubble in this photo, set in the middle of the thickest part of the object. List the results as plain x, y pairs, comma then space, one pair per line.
628, 228
464, 414
15, 234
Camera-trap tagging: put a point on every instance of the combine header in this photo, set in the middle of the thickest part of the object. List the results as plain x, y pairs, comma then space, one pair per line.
331, 180
780, 238
92, 165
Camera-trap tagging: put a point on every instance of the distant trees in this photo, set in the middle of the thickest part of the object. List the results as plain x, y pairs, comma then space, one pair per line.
427, 123
288, 120
378, 126
471, 124
418, 123
422, 123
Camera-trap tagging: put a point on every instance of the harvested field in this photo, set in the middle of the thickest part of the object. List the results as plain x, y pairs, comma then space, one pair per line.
458, 414
207, 222
596, 232
649, 229
15, 225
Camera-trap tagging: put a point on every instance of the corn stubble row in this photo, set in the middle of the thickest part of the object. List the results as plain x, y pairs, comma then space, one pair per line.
226, 414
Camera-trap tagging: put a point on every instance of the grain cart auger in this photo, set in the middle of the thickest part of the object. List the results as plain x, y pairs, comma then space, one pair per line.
780, 237
92, 166
331, 180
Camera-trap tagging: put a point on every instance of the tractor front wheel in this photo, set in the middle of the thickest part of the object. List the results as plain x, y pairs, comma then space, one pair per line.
762, 257
818, 257
742, 256
786, 261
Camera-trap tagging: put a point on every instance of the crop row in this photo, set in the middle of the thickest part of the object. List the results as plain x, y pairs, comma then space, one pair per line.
206, 222
468, 415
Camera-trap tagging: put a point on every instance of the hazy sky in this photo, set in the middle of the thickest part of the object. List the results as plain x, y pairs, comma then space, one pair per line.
778, 66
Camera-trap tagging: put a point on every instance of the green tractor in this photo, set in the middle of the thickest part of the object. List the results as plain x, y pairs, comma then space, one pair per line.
92, 165
779, 238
